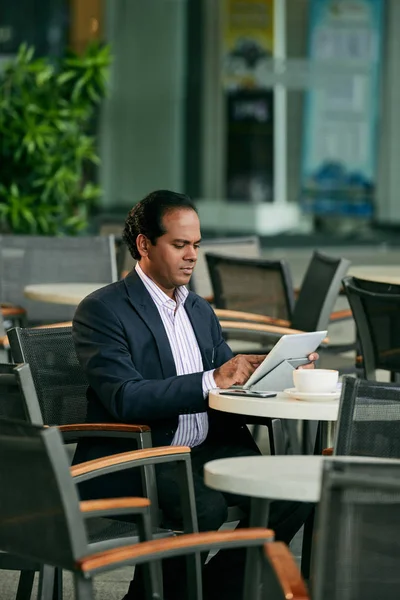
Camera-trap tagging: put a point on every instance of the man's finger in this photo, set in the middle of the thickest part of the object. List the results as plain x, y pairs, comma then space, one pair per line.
258, 358
313, 356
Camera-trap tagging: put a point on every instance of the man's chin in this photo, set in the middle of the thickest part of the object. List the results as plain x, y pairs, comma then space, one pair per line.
184, 278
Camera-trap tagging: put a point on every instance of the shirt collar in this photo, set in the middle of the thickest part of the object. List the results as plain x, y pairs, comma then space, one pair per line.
159, 297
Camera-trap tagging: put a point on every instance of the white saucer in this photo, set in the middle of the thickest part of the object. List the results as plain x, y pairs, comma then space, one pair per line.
313, 396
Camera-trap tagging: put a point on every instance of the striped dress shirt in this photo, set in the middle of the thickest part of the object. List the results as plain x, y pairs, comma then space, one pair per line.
192, 428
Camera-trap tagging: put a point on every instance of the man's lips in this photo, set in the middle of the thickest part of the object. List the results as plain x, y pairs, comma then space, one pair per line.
187, 269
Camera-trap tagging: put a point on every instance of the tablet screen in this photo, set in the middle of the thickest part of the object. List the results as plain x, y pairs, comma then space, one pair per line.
296, 345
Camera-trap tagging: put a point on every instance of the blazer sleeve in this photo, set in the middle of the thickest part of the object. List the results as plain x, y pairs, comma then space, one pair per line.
105, 356
223, 353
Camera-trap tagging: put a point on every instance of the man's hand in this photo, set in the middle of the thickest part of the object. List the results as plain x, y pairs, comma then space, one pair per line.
312, 358
237, 370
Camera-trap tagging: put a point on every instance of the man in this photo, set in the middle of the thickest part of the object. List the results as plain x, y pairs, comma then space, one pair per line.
152, 351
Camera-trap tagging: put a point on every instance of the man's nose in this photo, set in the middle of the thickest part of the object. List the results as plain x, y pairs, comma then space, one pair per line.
191, 253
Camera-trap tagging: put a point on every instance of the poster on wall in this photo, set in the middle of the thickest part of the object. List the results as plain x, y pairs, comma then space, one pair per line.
247, 42
338, 175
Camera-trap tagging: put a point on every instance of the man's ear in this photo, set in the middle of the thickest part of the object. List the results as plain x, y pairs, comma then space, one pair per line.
142, 244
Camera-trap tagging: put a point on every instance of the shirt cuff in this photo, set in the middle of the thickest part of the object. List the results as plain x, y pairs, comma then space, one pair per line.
208, 382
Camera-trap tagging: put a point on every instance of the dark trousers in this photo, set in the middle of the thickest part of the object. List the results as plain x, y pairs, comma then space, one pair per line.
224, 574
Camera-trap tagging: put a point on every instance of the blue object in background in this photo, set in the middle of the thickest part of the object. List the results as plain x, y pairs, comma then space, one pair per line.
338, 170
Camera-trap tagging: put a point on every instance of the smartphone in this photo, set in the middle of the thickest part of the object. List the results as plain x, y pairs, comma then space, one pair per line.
247, 393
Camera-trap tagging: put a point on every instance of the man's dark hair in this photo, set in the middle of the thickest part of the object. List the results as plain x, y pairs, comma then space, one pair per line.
146, 217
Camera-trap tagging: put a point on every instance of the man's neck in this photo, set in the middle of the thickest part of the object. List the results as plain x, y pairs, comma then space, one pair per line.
169, 292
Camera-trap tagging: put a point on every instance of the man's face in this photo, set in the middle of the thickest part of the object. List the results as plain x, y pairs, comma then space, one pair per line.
170, 261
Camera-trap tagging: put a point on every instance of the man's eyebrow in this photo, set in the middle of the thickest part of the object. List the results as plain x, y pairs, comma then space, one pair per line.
180, 241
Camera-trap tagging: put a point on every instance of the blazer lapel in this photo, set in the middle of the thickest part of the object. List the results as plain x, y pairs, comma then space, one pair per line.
147, 310
196, 316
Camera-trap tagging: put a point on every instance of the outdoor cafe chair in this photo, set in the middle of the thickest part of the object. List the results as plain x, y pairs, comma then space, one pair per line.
42, 519
18, 401
357, 549
312, 311
61, 386
29, 259
256, 285
376, 312
369, 419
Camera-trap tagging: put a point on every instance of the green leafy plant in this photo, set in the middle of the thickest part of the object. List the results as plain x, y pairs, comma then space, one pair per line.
46, 113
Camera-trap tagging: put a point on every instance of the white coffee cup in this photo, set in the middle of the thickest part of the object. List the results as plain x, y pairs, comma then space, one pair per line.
315, 380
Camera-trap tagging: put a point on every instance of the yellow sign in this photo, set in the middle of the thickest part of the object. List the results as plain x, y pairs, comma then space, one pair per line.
248, 38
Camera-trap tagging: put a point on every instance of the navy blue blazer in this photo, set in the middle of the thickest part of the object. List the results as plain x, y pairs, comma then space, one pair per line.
124, 350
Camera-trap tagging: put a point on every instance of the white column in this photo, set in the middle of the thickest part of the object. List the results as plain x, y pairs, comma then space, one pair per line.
388, 127
143, 121
280, 108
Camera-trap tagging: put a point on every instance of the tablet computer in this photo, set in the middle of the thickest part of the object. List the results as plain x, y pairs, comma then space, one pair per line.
296, 345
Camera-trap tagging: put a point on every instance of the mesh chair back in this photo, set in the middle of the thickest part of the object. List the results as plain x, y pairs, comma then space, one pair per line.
252, 285
376, 311
18, 398
319, 291
358, 552
244, 247
58, 377
39, 502
369, 419
30, 259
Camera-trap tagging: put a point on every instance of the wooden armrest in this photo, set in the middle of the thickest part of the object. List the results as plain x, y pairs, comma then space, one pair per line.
223, 313
104, 427
54, 325
341, 315
327, 452
125, 457
243, 326
108, 504
124, 273
267, 329
286, 570
8, 310
171, 545
209, 299
6, 344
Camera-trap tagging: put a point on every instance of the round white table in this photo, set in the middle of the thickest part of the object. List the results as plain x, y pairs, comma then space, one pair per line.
383, 273
280, 407
266, 478
61, 293
284, 407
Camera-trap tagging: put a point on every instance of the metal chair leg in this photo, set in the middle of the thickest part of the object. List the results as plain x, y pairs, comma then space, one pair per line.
306, 550
58, 584
276, 437
292, 442
46, 583
25, 585
259, 515
83, 587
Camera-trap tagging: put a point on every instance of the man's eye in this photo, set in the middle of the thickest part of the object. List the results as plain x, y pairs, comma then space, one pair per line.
196, 246
179, 246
